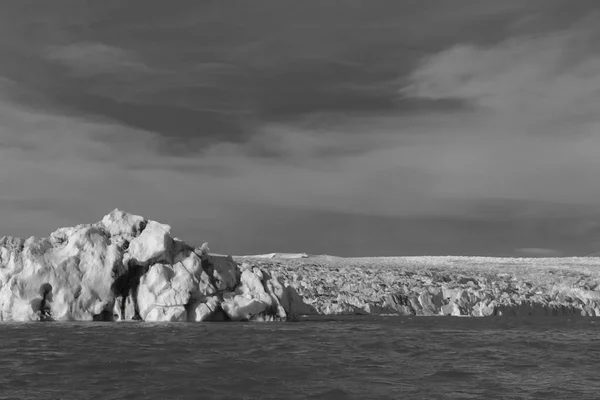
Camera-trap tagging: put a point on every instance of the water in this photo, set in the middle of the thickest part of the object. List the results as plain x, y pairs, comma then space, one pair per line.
327, 358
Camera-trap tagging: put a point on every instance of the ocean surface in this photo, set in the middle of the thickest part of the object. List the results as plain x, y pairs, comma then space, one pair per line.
324, 358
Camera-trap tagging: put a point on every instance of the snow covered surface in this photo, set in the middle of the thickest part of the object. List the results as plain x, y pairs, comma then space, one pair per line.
458, 286
126, 267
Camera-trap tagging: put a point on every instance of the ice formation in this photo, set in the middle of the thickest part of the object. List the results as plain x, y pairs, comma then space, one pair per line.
126, 267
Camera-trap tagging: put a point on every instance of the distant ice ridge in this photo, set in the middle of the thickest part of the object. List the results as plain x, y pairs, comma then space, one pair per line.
279, 255
292, 256
127, 267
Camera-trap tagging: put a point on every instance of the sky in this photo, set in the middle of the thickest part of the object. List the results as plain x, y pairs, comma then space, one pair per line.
352, 128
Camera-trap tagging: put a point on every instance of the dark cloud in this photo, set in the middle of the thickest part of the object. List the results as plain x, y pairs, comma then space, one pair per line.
353, 128
292, 61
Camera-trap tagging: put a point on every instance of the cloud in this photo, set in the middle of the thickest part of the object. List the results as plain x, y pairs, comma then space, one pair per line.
538, 252
270, 130
78, 168
90, 58
62, 170
536, 78
379, 163
532, 122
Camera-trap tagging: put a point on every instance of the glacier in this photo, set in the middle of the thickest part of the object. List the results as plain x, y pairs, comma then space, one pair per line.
126, 267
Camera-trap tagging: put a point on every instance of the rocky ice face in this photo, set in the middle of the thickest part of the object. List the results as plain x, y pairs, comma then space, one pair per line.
126, 267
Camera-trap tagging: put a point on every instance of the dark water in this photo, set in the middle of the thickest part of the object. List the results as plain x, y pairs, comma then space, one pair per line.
334, 358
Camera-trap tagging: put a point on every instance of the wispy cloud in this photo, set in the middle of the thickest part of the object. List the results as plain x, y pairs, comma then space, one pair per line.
538, 252
532, 122
90, 58
546, 77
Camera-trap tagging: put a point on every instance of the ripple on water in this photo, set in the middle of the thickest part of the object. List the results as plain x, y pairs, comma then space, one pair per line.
361, 358
332, 394
450, 374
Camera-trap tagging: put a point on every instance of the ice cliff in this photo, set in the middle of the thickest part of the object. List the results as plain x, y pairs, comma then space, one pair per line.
126, 267
452, 286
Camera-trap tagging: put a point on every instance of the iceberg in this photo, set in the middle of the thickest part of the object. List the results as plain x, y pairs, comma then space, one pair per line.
127, 267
